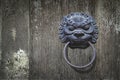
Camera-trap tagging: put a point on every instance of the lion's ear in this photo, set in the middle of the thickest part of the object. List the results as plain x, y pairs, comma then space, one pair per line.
93, 40
64, 39
95, 35
95, 30
62, 36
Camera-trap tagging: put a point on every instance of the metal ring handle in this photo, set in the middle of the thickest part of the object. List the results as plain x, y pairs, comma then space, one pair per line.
84, 67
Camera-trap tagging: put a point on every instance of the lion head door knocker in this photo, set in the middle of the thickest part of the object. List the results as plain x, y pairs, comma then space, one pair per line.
78, 30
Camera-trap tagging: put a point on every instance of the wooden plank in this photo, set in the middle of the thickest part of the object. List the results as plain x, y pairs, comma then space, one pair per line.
15, 39
0, 29
107, 16
46, 59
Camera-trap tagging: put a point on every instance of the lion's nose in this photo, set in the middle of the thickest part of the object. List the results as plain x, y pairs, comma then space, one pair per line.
79, 34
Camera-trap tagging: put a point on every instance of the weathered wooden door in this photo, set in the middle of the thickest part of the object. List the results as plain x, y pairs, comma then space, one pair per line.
30, 47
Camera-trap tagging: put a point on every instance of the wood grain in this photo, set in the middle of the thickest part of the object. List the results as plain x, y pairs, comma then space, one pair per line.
30, 27
47, 60
46, 50
15, 37
108, 43
0, 28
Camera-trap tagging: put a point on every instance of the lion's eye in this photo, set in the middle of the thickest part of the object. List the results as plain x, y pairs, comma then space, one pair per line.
71, 28
86, 27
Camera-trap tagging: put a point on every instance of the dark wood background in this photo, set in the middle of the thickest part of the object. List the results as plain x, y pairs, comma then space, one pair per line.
30, 48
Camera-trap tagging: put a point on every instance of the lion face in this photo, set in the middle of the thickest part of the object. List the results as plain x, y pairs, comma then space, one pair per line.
78, 29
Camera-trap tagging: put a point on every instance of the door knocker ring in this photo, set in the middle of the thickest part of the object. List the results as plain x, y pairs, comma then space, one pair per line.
84, 67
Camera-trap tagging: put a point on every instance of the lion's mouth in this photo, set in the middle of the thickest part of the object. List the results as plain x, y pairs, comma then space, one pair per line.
79, 42
77, 39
